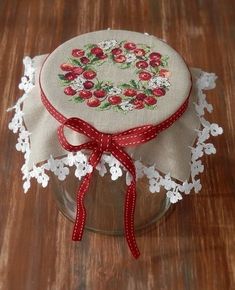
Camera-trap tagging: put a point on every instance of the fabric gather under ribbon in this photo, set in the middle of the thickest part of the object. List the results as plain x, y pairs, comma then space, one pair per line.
100, 143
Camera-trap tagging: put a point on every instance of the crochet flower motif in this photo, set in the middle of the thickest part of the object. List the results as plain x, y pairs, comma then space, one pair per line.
80, 78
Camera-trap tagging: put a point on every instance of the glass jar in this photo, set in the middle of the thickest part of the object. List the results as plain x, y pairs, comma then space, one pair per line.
104, 203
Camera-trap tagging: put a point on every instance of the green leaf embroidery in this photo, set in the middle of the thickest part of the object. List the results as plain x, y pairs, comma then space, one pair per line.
64, 82
75, 61
118, 109
78, 100
89, 55
89, 46
148, 91
62, 77
139, 85
125, 65
105, 106
134, 84
153, 107
125, 86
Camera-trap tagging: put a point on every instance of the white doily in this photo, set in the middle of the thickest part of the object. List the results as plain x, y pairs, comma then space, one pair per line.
61, 167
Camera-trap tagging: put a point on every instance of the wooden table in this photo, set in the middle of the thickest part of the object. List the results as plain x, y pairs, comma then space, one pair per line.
193, 247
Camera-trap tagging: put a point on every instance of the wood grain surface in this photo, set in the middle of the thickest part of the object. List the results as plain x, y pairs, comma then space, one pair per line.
191, 248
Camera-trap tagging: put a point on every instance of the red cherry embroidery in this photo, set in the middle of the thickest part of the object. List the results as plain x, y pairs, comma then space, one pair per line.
85, 94
88, 85
100, 93
130, 45
89, 74
101, 56
66, 67
155, 62
164, 73
116, 51
150, 101
133, 94
84, 60
138, 104
96, 50
142, 64
78, 52
144, 76
139, 52
120, 58
155, 55
130, 92
93, 102
70, 76
159, 92
78, 70
69, 91
140, 96
115, 100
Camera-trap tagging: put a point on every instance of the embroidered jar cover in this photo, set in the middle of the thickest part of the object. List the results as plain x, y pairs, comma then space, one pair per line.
114, 99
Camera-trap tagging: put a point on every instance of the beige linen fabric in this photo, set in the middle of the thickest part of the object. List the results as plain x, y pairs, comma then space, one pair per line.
169, 151
108, 120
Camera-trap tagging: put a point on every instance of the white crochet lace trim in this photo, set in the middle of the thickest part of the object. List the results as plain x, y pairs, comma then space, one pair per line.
61, 167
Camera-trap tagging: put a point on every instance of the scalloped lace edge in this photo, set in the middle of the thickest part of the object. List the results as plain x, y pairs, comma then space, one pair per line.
61, 166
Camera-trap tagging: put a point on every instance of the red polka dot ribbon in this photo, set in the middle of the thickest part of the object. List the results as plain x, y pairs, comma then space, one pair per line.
99, 143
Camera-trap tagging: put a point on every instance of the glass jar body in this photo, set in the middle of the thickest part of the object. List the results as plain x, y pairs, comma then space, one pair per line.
104, 203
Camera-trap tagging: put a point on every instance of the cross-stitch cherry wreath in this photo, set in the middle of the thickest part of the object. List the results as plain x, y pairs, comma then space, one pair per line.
81, 80
100, 143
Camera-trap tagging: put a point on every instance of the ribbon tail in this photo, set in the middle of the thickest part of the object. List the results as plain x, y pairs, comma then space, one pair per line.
129, 219
130, 199
81, 192
81, 210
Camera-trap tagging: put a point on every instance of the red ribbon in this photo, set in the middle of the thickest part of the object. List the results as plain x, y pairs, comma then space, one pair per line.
99, 143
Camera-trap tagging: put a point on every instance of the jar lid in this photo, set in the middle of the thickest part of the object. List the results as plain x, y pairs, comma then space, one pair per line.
115, 79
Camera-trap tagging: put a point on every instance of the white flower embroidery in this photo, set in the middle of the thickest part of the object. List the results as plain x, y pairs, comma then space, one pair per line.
114, 91
77, 84
126, 106
158, 82
130, 57
107, 44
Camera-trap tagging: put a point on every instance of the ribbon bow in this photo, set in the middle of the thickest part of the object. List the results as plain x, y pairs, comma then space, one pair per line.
113, 143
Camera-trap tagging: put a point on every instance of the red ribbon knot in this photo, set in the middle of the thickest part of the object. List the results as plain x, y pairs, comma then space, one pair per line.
105, 142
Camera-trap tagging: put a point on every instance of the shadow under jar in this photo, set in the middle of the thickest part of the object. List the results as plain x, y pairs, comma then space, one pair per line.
104, 202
